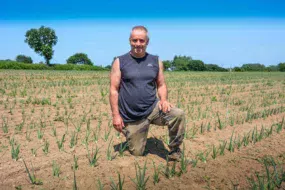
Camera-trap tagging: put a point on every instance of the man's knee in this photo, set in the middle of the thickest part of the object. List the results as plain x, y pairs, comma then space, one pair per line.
178, 113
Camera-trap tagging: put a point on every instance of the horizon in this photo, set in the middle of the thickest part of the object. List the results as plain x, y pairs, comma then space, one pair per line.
226, 34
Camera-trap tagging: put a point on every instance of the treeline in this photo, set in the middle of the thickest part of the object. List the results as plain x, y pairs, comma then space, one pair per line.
186, 63
9, 64
260, 67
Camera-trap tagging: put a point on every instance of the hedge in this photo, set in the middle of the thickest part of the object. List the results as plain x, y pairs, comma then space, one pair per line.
23, 66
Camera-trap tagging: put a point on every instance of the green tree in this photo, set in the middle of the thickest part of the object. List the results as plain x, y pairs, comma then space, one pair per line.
214, 67
167, 64
42, 40
180, 63
281, 67
272, 68
237, 69
79, 59
108, 67
24, 59
196, 65
253, 67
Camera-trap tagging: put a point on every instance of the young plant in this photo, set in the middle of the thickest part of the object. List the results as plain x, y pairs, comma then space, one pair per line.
74, 181
55, 169
5, 124
28, 135
119, 185
73, 139
75, 164
215, 152
122, 148
100, 185
109, 151
231, 147
15, 151
40, 133
46, 147
183, 162
53, 131
93, 157
141, 179
155, 174
85, 141
60, 143
220, 126
32, 176
169, 172
106, 134
203, 157
222, 147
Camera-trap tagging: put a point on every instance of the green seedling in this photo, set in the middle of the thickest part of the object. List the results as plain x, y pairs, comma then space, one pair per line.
119, 185
75, 163
15, 151
93, 157
73, 139
155, 174
32, 176
222, 147
55, 169
141, 178
46, 147
60, 143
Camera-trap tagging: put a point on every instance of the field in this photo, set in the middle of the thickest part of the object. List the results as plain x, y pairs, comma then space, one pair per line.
57, 126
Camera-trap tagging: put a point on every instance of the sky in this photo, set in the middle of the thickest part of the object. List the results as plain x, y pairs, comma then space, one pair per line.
222, 32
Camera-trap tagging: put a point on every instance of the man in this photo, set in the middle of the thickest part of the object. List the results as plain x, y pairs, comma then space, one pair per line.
136, 77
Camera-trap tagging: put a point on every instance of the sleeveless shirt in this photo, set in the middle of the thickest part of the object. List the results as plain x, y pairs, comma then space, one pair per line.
137, 93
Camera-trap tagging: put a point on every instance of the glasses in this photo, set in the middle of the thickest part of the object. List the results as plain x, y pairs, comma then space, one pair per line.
136, 40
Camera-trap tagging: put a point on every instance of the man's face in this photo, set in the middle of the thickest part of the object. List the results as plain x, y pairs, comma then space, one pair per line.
139, 42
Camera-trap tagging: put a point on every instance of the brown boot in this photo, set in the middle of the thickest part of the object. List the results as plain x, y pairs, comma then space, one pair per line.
175, 155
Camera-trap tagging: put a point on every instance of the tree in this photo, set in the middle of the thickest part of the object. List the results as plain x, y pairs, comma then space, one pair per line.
281, 67
79, 58
272, 68
24, 59
167, 64
253, 67
42, 40
108, 67
214, 67
180, 62
196, 65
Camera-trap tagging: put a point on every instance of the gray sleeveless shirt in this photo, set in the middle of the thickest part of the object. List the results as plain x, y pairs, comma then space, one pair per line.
137, 93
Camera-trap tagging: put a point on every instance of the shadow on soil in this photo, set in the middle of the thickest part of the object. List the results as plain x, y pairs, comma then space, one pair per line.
153, 146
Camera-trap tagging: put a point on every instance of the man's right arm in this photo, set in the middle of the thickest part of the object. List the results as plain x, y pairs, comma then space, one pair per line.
115, 79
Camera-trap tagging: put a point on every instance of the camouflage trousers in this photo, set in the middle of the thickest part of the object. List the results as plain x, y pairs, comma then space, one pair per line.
136, 132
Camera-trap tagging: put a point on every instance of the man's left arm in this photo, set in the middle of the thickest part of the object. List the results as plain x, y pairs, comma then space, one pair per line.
164, 105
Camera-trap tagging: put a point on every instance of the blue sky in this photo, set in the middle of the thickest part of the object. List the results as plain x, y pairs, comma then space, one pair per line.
219, 32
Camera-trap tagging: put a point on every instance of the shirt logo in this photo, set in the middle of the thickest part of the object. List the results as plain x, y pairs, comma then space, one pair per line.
149, 65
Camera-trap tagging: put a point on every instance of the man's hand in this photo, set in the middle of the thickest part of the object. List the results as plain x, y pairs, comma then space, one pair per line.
118, 123
164, 106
